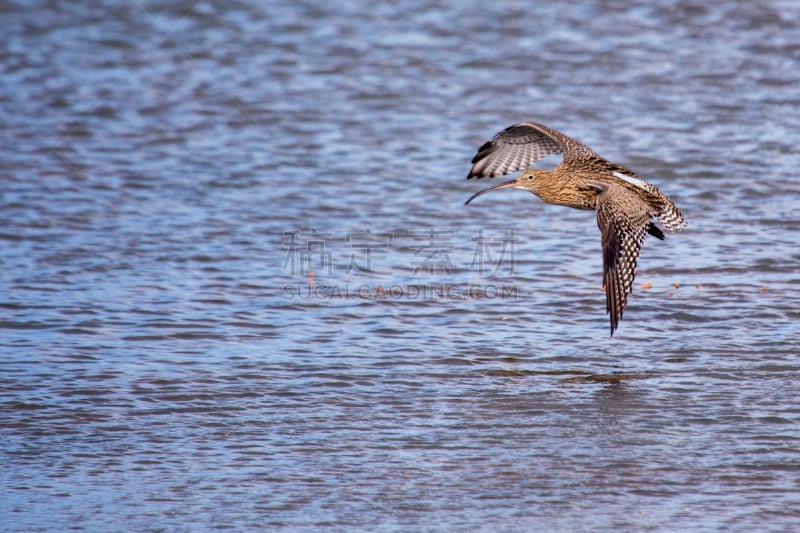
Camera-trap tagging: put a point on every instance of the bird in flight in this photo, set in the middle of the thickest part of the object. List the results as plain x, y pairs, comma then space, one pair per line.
626, 205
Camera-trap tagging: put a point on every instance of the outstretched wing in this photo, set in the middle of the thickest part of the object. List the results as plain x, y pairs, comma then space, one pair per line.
624, 221
521, 145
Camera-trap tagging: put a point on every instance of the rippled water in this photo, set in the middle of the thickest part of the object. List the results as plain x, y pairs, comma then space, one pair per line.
240, 289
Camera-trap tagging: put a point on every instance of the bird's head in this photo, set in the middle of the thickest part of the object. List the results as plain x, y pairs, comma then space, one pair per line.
528, 181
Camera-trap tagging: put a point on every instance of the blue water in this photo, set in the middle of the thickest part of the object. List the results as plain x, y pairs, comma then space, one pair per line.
240, 289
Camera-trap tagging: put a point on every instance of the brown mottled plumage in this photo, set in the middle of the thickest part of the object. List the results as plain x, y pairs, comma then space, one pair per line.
625, 204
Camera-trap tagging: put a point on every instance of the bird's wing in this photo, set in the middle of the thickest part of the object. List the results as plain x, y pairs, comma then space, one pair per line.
521, 145
624, 221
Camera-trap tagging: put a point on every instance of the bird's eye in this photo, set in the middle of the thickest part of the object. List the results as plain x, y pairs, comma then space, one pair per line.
530, 178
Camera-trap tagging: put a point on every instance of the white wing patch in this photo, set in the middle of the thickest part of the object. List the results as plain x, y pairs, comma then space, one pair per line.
636, 182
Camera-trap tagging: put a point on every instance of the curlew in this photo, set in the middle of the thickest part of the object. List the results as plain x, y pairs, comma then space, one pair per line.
626, 205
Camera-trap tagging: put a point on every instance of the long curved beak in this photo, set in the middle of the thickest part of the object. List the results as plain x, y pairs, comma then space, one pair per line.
504, 185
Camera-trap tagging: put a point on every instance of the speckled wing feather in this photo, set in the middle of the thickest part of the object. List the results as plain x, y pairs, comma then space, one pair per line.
623, 221
521, 145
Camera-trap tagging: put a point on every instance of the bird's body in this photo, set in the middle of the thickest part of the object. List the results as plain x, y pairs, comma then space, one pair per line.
625, 204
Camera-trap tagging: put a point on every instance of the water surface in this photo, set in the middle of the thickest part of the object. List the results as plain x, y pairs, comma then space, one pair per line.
240, 289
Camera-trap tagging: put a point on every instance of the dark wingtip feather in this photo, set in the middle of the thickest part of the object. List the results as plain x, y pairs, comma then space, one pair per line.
653, 230
614, 323
482, 151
